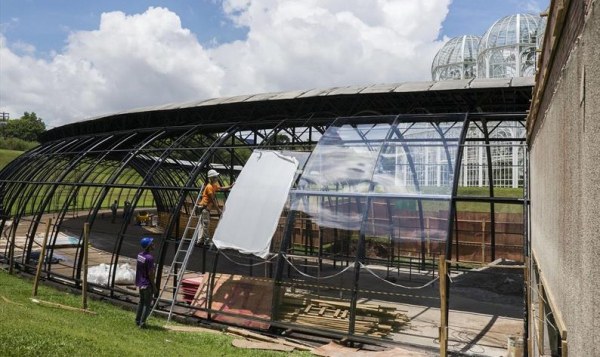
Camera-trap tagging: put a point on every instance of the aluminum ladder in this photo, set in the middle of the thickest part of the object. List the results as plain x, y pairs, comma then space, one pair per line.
181, 258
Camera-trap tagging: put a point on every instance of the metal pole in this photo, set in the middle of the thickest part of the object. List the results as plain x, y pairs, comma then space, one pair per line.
491, 186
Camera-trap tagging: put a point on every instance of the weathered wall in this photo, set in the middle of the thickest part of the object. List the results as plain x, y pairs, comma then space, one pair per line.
565, 191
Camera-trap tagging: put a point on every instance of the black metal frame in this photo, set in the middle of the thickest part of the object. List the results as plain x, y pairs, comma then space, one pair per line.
170, 161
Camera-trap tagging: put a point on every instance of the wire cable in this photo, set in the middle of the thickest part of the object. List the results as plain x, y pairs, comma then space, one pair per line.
316, 277
246, 265
398, 285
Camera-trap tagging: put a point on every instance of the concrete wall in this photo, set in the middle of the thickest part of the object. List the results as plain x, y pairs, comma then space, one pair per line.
565, 191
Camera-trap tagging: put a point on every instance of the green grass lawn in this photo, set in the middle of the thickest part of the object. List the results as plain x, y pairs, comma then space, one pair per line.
7, 156
28, 329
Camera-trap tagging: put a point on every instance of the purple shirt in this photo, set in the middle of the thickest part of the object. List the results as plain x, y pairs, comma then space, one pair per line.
145, 266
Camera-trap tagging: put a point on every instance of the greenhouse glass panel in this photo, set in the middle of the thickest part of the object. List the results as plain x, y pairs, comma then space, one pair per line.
377, 193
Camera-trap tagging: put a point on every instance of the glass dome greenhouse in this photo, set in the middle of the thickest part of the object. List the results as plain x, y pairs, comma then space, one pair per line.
457, 59
507, 49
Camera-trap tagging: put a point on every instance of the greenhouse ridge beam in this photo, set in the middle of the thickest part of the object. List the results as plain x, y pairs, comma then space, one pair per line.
477, 95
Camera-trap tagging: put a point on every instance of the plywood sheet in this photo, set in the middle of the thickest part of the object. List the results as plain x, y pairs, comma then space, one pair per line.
335, 350
240, 295
261, 346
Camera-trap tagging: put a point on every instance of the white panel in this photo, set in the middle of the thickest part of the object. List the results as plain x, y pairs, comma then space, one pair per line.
255, 203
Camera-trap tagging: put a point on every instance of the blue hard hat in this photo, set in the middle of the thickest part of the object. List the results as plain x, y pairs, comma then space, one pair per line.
145, 242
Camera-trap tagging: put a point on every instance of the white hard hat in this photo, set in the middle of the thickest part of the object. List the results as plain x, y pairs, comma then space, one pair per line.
212, 173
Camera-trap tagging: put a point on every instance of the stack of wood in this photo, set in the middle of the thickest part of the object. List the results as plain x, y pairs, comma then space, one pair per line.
371, 319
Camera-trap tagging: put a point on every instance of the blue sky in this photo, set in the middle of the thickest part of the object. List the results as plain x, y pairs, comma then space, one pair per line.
46, 24
473, 17
68, 60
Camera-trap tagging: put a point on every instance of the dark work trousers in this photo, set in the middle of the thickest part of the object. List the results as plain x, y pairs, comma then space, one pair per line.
144, 306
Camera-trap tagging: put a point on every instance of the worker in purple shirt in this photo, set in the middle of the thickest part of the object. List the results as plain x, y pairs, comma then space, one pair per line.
144, 280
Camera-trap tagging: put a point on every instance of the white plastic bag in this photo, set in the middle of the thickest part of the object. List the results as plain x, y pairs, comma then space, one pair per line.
98, 274
125, 275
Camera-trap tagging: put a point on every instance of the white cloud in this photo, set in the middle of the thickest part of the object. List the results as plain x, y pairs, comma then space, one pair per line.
149, 59
321, 43
23, 47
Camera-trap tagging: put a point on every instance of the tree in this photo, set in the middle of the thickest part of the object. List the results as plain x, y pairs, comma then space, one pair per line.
28, 127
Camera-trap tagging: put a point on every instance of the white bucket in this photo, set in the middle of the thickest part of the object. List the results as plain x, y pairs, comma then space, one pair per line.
515, 346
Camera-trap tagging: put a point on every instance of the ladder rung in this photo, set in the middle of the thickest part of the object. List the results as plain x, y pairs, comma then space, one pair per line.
180, 261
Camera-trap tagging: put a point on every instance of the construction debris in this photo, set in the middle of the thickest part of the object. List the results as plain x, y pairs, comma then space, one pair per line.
259, 337
190, 329
335, 350
64, 307
8, 301
261, 345
371, 319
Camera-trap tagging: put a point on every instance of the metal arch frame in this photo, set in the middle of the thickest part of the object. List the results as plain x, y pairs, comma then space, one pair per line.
22, 170
191, 180
411, 164
76, 188
29, 190
360, 250
71, 195
488, 150
360, 256
19, 165
193, 177
145, 178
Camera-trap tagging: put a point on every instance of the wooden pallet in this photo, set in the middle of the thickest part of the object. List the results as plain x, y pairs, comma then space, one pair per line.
373, 320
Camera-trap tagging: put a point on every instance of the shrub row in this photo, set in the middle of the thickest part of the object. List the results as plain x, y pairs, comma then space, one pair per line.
17, 144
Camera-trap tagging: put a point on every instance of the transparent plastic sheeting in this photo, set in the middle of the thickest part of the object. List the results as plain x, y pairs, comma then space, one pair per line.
405, 169
255, 203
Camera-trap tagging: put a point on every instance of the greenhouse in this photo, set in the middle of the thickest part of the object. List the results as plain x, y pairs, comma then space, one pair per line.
507, 49
457, 59
345, 201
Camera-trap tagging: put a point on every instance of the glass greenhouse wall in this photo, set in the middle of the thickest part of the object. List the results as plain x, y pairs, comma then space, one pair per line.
457, 59
507, 49
376, 201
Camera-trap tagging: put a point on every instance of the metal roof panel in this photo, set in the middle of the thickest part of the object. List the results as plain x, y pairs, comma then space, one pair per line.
347, 90
261, 97
451, 84
236, 99
192, 103
288, 95
490, 83
381, 88
522, 81
413, 87
317, 92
